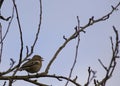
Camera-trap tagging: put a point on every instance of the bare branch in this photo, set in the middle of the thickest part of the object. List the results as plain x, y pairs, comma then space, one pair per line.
78, 29
12, 63
103, 18
76, 52
4, 83
112, 44
1, 2
8, 25
2, 38
1, 44
3, 18
113, 62
20, 30
64, 38
29, 53
35, 82
90, 77
73, 36
21, 41
32, 48
37, 76
103, 65
39, 26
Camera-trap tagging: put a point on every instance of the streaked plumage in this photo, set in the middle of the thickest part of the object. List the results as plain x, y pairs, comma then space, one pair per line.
33, 65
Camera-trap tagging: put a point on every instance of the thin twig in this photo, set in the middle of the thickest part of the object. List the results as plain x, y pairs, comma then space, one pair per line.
37, 76
20, 30
1, 44
103, 18
76, 52
113, 62
4, 83
90, 77
1, 2
3, 18
102, 65
8, 25
35, 82
73, 36
32, 48
28, 54
39, 27
21, 41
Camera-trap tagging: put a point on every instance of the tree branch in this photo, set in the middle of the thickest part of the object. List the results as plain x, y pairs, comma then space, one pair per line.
32, 48
35, 82
37, 76
75, 34
11, 18
1, 2
39, 27
20, 30
90, 77
110, 69
1, 44
76, 52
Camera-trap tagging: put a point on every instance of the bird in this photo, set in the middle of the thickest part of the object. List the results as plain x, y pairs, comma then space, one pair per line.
33, 65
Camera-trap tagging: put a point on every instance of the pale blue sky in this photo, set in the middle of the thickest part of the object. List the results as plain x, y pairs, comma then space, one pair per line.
59, 18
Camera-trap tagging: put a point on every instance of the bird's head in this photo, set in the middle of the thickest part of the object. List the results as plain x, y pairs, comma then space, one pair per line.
37, 57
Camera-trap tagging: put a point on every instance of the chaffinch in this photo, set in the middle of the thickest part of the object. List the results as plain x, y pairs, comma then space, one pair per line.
33, 65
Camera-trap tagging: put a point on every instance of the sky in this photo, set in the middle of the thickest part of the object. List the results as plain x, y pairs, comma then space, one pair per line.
59, 18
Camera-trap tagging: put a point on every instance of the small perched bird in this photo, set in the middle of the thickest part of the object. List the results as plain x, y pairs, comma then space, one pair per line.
33, 65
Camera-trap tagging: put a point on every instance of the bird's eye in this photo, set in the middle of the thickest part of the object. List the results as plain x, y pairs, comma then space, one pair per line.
36, 62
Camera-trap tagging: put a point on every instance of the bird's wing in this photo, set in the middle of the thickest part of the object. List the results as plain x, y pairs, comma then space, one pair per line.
29, 64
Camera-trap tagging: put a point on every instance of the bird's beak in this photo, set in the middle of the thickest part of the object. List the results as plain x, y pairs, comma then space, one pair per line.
42, 59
